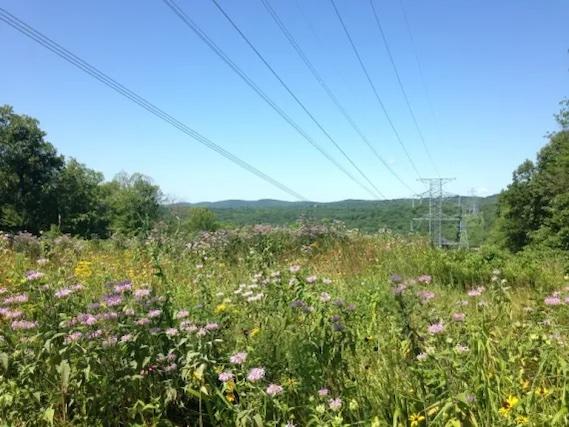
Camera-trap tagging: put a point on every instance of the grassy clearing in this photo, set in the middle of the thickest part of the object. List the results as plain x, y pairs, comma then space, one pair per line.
338, 329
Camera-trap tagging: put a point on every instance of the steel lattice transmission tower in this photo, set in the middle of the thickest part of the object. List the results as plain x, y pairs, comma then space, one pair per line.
436, 217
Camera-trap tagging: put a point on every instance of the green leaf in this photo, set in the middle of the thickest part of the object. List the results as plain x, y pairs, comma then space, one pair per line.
64, 371
48, 415
4, 361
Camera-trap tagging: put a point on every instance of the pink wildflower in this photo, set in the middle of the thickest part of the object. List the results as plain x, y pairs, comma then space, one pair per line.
256, 374
274, 389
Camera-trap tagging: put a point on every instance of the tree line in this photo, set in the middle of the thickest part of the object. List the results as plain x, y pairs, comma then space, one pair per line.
534, 209
40, 189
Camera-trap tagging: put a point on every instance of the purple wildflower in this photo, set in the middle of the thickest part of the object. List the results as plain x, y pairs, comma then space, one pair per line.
425, 296
126, 338
109, 315
421, 357
142, 322
238, 358
476, 292
112, 300
274, 389
23, 324
323, 392
436, 328
86, 319
73, 337
95, 334
33, 275
325, 297
552, 300
311, 279
16, 299
172, 332
424, 279
63, 293
335, 404
188, 326
154, 313
122, 287
225, 376
12, 314
182, 314
212, 326
399, 289
141, 293
256, 374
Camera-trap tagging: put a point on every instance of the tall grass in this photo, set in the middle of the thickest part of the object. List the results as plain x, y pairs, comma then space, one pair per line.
343, 329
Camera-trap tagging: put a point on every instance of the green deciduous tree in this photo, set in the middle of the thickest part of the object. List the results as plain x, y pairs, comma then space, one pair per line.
82, 208
133, 202
201, 219
29, 170
535, 207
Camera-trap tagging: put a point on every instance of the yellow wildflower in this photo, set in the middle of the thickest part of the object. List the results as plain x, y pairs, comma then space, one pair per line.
221, 308
543, 392
254, 331
521, 420
416, 419
433, 411
83, 270
508, 405
525, 384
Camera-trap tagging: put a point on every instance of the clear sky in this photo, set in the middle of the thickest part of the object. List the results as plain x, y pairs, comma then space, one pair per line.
495, 71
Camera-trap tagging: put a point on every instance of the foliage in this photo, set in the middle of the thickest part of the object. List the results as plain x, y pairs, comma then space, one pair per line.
29, 167
82, 208
134, 203
39, 189
366, 216
535, 207
200, 219
276, 326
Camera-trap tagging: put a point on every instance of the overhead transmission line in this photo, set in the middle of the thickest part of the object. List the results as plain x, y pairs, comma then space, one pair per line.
213, 46
419, 66
372, 85
403, 91
314, 71
65, 54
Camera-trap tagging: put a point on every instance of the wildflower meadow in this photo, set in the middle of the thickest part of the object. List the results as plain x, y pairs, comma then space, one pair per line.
279, 327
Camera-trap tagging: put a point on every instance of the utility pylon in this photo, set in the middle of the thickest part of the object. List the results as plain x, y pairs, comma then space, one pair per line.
436, 216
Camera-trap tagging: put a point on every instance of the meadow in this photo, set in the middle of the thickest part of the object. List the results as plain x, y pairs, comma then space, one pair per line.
268, 326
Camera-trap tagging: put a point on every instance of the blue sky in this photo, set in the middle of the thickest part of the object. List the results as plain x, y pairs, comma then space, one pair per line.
495, 71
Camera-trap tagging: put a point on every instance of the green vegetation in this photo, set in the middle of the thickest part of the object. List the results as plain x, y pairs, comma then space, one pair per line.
535, 207
254, 327
197, 315
39, 189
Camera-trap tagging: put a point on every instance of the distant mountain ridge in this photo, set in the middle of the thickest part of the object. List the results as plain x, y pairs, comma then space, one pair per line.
366, 215
274, 203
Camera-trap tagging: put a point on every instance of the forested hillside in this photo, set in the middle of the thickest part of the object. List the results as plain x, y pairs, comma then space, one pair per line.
364, 215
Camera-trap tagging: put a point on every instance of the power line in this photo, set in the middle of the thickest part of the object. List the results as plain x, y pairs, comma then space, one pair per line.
327, 88
211, 44
59, 50
370, 81
403, 91
420, 68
